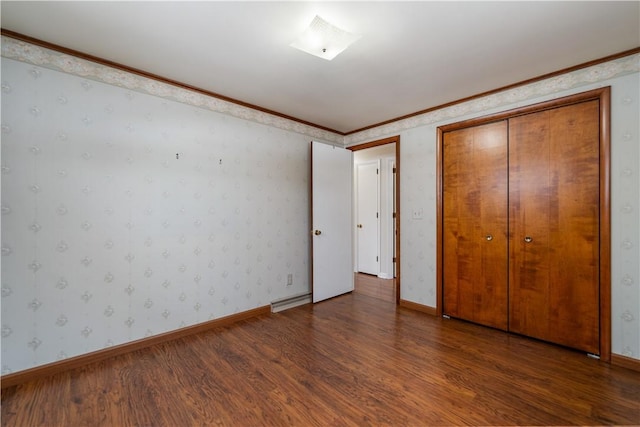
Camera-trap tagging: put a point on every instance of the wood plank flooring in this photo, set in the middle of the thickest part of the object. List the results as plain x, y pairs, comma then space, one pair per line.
349, 361
373, 286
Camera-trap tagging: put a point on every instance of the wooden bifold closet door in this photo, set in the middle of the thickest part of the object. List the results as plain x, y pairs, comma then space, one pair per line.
554, 226
475, 224
520, 210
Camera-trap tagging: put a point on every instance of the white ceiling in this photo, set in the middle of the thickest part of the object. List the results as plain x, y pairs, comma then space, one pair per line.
412, 55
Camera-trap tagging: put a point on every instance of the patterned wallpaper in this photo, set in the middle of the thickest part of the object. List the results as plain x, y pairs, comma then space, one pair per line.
126, 215
625, 213
36, 55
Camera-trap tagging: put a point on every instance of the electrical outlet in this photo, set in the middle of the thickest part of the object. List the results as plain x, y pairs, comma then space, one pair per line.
289, 279
418, 213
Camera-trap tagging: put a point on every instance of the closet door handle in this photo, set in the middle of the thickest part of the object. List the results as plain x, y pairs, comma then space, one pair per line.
489, 237
528, 239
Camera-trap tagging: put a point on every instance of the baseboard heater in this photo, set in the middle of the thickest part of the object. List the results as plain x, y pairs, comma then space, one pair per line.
290, 302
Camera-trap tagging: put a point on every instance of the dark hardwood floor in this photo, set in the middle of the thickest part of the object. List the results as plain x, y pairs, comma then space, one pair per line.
350, 361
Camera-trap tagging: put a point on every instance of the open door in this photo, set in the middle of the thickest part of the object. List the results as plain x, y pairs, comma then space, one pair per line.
332, 221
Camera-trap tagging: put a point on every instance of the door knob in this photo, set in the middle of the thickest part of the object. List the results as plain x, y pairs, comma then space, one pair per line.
528, 239
317, 232
359, 225
489, 237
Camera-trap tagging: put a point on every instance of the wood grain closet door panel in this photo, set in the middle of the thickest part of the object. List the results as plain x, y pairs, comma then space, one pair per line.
475, 224
554, 203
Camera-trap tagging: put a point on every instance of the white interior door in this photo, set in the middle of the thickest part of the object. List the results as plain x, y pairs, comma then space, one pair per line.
332, 221
368, 222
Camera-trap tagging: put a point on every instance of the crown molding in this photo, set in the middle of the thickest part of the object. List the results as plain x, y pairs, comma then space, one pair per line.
43, 54
593, 72
40, 53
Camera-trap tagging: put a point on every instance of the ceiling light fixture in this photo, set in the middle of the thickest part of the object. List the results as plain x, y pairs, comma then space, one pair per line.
324, 40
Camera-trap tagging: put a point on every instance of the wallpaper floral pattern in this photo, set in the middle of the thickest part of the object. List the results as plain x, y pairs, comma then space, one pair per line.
625, 213
126, 215
36, 55
131, 207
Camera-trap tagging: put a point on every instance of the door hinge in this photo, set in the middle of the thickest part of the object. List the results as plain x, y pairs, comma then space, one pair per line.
394, 215
394, 170
376, 259
394, 259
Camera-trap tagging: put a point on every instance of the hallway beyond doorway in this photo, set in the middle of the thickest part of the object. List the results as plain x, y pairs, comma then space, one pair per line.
373, 286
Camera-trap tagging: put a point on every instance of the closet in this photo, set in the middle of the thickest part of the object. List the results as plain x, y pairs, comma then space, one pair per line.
524, 223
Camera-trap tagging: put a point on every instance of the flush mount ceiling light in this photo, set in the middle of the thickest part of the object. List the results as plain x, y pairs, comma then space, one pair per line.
324, 40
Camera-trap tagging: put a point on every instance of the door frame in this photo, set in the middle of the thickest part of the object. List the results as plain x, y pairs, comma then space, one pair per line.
603, 95
390, 140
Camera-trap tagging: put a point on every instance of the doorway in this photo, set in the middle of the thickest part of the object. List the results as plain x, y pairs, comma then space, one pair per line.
376, 214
